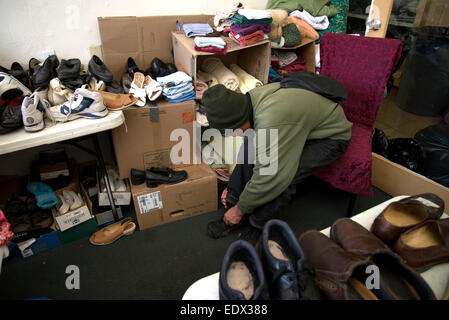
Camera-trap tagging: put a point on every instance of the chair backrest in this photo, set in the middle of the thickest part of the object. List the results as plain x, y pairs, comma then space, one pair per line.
363, 65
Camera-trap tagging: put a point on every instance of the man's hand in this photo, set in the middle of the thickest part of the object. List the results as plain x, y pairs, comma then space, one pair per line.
233, 216
223, 198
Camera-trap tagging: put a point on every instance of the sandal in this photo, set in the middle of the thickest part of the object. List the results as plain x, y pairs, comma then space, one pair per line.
113, 232
137, 89
153, 88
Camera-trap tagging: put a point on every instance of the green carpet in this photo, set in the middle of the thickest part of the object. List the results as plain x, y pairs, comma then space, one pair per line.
161, 262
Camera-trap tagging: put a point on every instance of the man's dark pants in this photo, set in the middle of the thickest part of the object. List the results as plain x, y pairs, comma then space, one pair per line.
316, 154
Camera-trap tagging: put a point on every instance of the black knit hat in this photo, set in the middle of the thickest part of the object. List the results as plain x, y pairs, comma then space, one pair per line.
226, 109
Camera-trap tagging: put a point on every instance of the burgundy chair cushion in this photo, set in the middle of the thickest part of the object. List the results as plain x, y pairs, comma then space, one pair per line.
363, 65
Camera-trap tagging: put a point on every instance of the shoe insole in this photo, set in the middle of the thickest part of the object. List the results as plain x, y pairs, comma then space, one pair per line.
240, 279
423, 237
358, 291
277, 251
404, 215
397, 285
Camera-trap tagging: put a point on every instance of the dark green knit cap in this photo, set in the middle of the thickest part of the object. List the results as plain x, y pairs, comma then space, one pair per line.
226, 109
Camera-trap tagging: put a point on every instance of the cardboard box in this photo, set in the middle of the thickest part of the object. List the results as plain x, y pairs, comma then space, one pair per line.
121, 198
143, 144
74, 217
254, 58
44, 243
169, 203
142, 38
307, 50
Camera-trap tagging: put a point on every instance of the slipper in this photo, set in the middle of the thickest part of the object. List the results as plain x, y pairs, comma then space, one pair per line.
152, 88
63, 206
137, 89
45, 197
113, 232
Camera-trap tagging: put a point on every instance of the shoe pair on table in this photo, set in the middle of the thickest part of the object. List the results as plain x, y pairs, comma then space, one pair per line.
156, 176
276, 268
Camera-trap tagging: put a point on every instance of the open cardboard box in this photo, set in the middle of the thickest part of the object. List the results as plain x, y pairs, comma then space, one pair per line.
73, 217
121, 198
169, 203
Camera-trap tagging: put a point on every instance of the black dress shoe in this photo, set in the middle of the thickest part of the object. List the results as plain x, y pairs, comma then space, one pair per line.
287, 271
242, 276
157, 176
158, 69
43, 74
69, 69
99, 69
131, 67
219, 229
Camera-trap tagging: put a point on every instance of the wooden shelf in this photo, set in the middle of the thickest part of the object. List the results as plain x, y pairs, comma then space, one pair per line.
304, 42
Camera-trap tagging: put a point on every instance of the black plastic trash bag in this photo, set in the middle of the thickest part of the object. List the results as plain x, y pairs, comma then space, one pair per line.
407, 152
424, 87
435, 141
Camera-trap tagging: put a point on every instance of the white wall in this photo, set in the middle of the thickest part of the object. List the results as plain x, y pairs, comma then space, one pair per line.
70, 26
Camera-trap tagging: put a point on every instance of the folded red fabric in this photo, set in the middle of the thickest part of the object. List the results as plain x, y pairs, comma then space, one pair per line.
212, 49
247, 39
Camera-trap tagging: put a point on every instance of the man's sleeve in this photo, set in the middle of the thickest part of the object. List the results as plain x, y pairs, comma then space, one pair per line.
275, 165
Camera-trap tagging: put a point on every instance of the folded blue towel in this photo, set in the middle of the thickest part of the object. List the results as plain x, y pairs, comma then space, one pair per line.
187, 96
196, 29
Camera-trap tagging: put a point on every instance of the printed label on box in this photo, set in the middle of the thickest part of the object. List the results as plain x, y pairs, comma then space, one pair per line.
158, 158
149, 202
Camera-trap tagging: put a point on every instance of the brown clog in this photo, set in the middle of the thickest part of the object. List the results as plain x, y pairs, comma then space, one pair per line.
425, 245
401, 281
113, 232
404, 214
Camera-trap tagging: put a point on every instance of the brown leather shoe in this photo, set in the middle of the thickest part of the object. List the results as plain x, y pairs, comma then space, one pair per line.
401, 281
404, 214
425, 245
340, 275
113, 232
115, 101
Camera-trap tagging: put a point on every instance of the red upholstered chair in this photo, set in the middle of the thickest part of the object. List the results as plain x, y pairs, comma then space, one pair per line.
363, 65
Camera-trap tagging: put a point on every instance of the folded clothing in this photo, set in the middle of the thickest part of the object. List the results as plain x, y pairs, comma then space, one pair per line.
240, 19
253, 14
207, 78
283, 58
306, 30
177, 87
212, 49
217, 42
174, 79
292, 35
222, 16
223, 75
296, 66
246, 81
186, 96
318, 23
196, 29
245, 29
245, 40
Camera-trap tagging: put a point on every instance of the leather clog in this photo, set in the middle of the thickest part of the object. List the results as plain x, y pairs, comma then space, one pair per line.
406, 213
400, 280
425, 245
113, 232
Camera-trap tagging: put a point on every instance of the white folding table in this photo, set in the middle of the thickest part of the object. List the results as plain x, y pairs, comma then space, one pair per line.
437, 277
59, 132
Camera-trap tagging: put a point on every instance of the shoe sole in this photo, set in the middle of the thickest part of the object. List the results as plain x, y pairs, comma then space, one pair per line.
92, 115
35, 128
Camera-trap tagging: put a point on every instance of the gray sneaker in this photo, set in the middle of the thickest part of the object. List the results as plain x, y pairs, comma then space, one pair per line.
33, 109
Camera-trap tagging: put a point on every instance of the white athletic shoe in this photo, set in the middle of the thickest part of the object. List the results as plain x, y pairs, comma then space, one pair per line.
57, 93
84, 104
8, 82
33, 109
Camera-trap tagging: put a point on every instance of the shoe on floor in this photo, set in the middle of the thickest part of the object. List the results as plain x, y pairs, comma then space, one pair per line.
33, 109
98, 69
84, 104
113, 232
219, 229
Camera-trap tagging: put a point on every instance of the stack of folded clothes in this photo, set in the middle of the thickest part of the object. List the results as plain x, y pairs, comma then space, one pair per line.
211, 44
249, 25
177, 87
284, 62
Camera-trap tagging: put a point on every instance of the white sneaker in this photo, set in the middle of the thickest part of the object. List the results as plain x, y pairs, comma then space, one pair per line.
8, 82
84, 104
63, 206
57, 93
33, 109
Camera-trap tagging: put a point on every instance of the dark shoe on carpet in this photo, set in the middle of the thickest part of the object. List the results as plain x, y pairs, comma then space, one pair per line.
286, 268
99, 69
242, 276
219, 229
